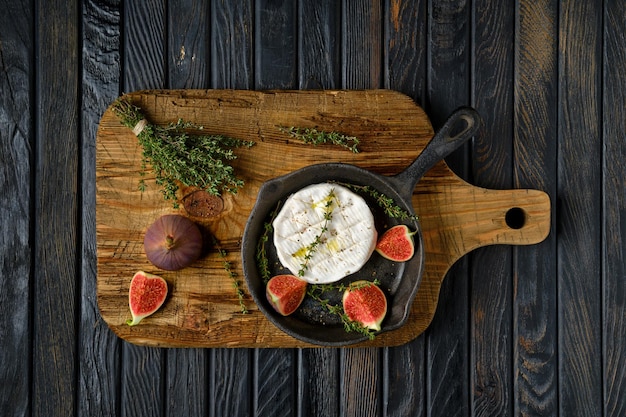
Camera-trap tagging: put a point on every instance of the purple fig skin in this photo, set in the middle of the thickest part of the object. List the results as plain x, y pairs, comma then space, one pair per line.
146, 295
173, 242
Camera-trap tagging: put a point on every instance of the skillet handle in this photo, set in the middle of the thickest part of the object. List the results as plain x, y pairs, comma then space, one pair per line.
464, 123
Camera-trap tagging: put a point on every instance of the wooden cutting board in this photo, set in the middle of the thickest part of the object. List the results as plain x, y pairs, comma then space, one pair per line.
202, 309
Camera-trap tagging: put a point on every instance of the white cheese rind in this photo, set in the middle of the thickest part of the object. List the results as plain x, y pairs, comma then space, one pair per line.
343, 248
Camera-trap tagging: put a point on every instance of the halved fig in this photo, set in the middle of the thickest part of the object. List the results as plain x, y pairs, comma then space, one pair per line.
285, 293
365, 303
146, 295
396, 244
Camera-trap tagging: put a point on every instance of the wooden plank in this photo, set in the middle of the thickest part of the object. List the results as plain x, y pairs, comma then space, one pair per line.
361, 382
55, 230
230, 389
16, 203
232, 44
404, 367
491, 346
187, 370
275, 45
100, 348
614, 212
144, 56
448, 80
362, 37
361, 370
232, 60
319, 63
275, 374
580, 209
144, 66
535, 166
319, 47
188, 44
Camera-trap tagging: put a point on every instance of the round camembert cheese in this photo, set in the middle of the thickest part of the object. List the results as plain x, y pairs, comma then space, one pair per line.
324, 232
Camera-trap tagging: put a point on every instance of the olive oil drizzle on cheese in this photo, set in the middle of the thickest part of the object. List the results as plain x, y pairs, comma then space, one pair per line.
306, 252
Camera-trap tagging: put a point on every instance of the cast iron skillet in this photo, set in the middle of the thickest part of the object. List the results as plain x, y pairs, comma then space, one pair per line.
312, 323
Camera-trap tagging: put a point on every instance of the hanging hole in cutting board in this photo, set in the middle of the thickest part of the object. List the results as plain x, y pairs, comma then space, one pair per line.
515, 218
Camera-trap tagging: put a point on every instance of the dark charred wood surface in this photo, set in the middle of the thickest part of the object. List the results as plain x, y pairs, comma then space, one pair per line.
529, 330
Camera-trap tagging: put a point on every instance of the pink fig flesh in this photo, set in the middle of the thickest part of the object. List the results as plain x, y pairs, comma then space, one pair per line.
172, 242
285, 293
146, 295
365, 303
396, 244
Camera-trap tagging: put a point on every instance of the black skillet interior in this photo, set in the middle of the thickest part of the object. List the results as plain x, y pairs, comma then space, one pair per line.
312, 323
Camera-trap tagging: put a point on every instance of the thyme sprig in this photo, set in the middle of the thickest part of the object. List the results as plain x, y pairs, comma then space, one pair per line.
311, 248
389, 206
235, 280
316, 292
176, 156
261, 252
317, 137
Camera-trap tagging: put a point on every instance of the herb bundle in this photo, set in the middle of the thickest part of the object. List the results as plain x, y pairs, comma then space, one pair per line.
176, 156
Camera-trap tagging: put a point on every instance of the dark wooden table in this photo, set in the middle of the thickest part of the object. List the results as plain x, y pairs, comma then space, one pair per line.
531, 330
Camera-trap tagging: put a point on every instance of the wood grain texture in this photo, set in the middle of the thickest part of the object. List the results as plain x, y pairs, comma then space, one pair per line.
143, 369
232, 44
232, 60
232, 380
123, 213
100, 349
16, 203
275, 45
275, 381
187, 370
362, 44
319, 390
534, 147
361, 371
188, 46
144, 38
547, 75
579, 210
319, 44
405, 70
614, 209
447, 361
405, 47
491, 268
56, 233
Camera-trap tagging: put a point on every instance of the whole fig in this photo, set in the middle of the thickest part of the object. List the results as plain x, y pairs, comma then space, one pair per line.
172, 242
